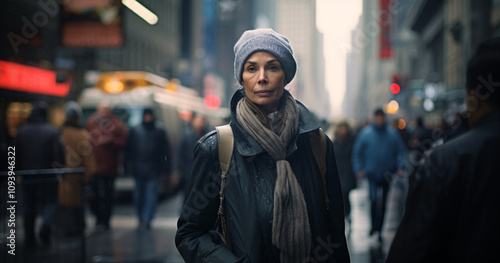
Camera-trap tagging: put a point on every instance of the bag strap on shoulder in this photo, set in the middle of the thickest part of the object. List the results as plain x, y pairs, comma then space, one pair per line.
226, 145
318, 145
225, 139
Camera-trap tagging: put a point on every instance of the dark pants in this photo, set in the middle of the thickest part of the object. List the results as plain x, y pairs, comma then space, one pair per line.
145, 198
101, 204
377, 200
41, 196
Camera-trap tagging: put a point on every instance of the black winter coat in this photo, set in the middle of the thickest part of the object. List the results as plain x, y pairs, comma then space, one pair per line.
39, 146
147, 152
452, 209
248, 200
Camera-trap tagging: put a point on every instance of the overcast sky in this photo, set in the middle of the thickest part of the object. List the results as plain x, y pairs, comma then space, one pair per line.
336, 19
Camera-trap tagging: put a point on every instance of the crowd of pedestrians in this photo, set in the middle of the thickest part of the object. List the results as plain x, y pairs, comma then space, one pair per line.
284, 190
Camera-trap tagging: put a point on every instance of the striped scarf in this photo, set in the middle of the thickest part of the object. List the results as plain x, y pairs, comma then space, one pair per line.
291, 230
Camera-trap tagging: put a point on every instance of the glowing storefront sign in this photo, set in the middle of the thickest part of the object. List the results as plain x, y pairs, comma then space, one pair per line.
18, 77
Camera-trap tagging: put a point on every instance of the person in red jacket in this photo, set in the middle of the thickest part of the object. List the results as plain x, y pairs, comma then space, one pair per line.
108, 137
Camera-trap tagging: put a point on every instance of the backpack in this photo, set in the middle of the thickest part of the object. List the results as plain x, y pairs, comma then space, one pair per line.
226, 147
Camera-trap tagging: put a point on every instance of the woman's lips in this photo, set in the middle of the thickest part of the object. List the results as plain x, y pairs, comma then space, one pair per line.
264, 93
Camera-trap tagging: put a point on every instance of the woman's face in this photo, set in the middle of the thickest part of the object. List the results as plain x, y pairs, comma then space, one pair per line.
263, 80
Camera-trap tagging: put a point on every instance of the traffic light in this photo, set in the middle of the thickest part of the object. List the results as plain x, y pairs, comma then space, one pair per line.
395, 88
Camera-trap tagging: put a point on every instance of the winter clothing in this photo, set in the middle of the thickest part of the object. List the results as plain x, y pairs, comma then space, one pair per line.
291, 231
38, 146
379, 152
264, 39
147, 152
108, 137
78, 152
452, 210
249, 198
147, 156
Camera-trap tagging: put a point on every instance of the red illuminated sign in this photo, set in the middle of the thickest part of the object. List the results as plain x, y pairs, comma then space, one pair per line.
29, 79
385, 50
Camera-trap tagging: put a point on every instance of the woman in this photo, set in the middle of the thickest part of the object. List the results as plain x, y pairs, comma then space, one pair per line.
275, 208
78, 153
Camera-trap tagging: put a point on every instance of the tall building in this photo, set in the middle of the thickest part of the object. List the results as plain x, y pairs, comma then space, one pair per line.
296, 19
372, 39
442, 34
353, 81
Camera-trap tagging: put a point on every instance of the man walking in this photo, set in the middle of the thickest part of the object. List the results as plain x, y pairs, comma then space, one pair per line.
378, 154
39, 146
108, 136
147, 156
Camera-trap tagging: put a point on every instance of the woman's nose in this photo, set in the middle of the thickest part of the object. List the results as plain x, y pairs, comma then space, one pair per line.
262, 77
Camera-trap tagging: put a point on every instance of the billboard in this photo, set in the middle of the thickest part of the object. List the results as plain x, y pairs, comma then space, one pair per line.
92, 24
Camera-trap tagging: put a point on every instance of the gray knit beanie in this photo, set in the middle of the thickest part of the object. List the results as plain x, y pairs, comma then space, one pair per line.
264, 39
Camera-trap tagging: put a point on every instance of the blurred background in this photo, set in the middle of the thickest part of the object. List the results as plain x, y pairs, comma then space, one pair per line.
176, 57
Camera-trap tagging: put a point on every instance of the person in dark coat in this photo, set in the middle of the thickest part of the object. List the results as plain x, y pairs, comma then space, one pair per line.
275, 202
421, 141
108, 135
185, 161
452, 212
343, 144
38, 146
147, 156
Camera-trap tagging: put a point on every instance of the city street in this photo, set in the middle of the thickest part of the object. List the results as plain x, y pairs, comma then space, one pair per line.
126, 243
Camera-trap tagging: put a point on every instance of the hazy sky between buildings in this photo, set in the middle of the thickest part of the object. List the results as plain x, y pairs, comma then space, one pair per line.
336, 19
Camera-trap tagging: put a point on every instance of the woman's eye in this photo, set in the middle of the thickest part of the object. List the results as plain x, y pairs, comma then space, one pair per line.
273, 68
251, 69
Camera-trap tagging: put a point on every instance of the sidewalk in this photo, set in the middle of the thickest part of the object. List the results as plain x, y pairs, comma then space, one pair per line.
125, 243
362, 247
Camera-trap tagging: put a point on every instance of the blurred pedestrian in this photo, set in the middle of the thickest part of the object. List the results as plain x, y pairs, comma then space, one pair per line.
147, 156
275, 206
38, 146
420, 142
378, 154
185, 161
78, 153
452, 212
343, 145
403, 132
108, 136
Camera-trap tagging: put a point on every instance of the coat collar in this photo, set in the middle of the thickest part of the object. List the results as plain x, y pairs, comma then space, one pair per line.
248, 146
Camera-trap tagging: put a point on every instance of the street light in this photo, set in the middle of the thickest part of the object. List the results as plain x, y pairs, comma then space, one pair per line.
141, 11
